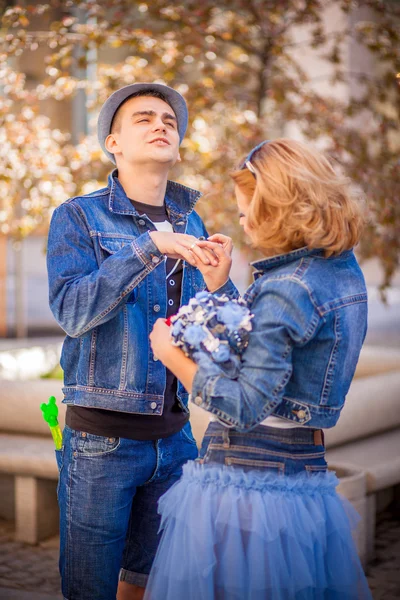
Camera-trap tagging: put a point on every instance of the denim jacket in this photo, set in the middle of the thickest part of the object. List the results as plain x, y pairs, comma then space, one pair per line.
310, 321
107, 285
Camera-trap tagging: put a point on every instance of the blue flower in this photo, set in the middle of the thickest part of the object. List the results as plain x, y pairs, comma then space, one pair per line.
194, 335
177, 327
202, 295
231, 314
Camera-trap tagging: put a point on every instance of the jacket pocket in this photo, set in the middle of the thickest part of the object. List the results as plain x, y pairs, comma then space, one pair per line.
109, 246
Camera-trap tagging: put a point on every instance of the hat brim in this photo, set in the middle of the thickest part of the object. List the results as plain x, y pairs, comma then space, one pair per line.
111, 105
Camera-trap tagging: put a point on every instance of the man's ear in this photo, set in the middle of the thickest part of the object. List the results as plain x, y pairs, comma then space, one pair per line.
111, 144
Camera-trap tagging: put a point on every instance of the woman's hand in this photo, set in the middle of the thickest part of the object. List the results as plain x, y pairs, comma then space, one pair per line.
181, 245
215, 275
222, 240
171, 356
160, 340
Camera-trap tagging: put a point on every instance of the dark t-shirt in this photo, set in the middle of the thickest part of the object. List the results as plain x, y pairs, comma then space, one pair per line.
132, 426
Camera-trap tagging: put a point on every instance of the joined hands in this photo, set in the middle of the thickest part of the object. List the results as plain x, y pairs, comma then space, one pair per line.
212, 256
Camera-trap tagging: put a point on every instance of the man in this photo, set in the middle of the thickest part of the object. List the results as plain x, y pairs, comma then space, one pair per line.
118, 259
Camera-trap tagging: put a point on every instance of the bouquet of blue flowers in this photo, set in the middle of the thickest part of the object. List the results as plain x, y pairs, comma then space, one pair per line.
212, 325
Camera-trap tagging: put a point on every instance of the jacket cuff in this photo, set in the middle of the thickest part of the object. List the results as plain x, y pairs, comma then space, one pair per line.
147, 251
207, 371
229, 289
204, 382
202, 387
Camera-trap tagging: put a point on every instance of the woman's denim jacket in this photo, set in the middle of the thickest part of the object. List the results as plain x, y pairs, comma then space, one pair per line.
310, 321
107, 284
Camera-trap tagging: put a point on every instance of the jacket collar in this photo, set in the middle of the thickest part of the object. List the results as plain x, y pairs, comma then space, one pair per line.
179, 199
265, 264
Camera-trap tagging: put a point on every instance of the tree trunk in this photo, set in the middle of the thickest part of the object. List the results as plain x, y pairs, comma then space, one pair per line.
3, 286
263, 80
21, 329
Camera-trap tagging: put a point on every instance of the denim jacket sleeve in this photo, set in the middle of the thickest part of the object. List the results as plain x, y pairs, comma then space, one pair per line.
83, 294
284, 316
228, 289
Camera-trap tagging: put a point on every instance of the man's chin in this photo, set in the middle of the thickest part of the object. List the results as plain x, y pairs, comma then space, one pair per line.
162, 156
153, 157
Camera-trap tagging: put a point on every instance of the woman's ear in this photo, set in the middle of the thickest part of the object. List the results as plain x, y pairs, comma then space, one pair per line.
179, 158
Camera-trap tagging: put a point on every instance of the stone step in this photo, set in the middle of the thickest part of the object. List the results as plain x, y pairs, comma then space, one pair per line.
378, 456
28, 358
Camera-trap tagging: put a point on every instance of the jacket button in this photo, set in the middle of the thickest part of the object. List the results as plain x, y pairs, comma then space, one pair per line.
198, 400
142, 222
301, 414
153, 405
155, 260
156, 308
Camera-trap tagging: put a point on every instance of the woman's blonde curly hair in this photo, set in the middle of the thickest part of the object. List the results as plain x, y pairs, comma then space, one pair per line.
297, 199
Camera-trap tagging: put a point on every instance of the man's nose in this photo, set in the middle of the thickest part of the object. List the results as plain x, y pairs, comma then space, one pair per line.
159, 125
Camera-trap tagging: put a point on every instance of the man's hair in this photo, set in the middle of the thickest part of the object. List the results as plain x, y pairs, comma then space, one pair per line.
297, 199
116, 122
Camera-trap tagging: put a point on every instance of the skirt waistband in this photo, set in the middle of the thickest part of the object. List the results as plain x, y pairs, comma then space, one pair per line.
293, 435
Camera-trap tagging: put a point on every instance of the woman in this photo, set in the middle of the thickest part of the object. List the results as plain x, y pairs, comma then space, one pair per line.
257, 516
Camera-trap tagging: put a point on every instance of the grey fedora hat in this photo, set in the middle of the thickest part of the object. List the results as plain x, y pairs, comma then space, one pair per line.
112, 104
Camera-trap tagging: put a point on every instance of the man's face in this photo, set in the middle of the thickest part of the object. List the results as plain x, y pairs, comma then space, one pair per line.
147, 132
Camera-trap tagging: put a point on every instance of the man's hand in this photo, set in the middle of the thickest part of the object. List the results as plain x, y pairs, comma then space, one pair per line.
216, 275
181, 245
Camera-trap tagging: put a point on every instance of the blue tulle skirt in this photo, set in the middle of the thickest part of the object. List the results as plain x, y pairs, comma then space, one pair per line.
235, 535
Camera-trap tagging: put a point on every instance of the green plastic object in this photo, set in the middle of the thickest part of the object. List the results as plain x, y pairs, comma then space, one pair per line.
50, 414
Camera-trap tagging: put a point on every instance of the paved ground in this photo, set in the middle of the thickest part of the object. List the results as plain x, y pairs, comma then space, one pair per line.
31, 573
384, 571
28, 572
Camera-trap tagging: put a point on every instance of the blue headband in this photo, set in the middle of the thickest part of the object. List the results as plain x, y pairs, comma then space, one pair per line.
247, 161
